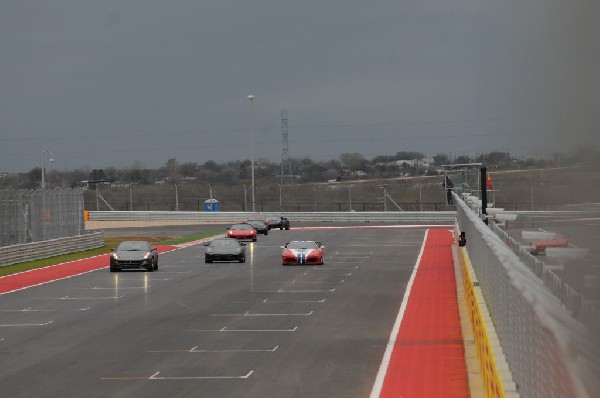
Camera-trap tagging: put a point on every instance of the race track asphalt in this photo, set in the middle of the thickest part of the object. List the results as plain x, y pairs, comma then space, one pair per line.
192, 329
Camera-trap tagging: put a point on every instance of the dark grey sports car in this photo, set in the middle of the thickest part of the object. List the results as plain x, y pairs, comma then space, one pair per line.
134, 254
260, 226
278, 222
225, 249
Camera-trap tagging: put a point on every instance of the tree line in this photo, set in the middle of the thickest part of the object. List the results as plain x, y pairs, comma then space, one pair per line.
348, 166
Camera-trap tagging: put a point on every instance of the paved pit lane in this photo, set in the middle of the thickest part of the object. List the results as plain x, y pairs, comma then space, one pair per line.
192, 329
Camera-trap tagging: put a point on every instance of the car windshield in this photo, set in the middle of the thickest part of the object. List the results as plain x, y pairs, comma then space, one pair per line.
133, 246
302, 245
256, 222
241, 226
224, 243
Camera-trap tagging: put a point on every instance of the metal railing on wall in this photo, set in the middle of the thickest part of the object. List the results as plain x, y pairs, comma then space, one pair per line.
550, 353
49, 248
229, 217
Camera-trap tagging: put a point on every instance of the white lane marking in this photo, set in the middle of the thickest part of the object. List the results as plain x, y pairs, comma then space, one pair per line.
292, 291
176, 272
156, 377
385, 362
293, 301
27, 310
116, 288
343, 262
306, 273
342, 257
196, 350
247, 313
330, 268
352, 254
26, 324
224, 329
82, 298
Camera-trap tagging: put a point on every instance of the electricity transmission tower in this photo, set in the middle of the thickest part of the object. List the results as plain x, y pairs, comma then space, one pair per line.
285, 161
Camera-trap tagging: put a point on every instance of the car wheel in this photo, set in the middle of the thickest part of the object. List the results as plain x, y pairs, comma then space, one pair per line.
156, 264
114, 269
150, 268
281, 228
207, 259
266, 232
254, 240
242, 259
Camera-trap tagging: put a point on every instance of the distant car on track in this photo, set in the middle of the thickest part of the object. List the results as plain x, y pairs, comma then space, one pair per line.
225, 249
242, 231
278, 222
304, 252
260, 226
134, 254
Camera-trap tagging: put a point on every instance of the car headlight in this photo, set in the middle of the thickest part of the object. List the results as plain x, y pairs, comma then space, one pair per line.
114, 255
147, 255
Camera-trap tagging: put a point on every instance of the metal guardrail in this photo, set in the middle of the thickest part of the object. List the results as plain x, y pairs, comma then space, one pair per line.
230, 217
549, 352
49, 248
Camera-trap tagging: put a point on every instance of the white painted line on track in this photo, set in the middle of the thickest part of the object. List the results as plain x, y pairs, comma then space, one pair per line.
27, 310
176, 272
306, 273
115, 288
196, 350
156, 377
385, 362
247, 313
83, 298
293, 301
224, 329
25, 324
292, 291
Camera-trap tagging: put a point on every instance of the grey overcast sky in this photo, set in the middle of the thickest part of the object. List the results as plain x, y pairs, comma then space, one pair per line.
112, 82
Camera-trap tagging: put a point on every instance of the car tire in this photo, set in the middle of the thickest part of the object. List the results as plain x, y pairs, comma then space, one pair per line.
242, 259
254, 240
114, 269
207, 259
156, 264
281, 228
150, 268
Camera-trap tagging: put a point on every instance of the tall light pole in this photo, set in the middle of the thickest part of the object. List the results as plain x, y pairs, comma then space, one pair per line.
251, 97
350, 197
44, 153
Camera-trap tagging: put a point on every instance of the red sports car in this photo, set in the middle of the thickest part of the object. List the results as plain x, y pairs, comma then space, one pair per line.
305, 252
242, 231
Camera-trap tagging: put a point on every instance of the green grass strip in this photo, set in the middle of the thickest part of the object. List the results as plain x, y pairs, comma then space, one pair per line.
109, 243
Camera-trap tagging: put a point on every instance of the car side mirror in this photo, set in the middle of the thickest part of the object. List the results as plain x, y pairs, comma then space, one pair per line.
112, 250
206, 243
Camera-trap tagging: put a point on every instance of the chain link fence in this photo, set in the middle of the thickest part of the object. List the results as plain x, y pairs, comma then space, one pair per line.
550, 354
34, 216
